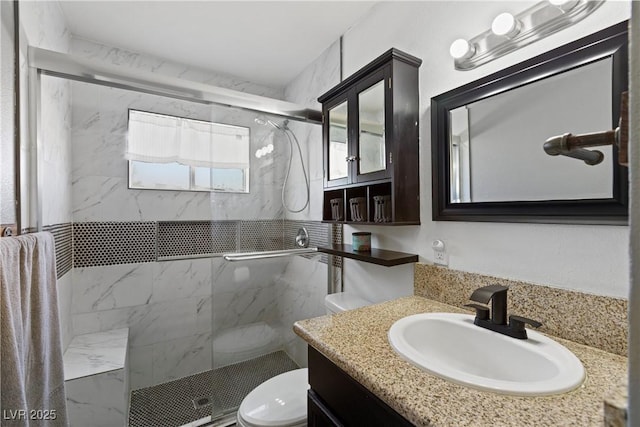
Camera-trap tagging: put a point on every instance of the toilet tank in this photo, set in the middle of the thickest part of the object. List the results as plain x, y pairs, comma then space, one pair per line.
343, 301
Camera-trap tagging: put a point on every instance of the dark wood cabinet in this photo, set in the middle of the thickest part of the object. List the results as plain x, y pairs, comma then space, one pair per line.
370, 144
336, 399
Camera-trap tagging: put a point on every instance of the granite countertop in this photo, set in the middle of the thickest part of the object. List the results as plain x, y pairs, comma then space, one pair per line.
356, 341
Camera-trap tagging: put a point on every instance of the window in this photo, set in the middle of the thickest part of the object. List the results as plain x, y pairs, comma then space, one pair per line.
174, 153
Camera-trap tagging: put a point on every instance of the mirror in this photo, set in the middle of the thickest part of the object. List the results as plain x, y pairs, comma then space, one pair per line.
371, 149
486, 130
488, 136
338, 141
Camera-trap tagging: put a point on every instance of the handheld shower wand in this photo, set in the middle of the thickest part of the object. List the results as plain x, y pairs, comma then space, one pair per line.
289, 133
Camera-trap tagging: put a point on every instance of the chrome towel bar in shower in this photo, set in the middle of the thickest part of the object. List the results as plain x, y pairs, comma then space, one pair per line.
248, 256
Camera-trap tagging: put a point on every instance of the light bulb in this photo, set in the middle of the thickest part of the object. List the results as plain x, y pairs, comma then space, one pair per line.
461, 49
258, 153
270, 148
505, 24
564, 5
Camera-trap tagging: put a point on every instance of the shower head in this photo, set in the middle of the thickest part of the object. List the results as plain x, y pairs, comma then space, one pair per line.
264, 122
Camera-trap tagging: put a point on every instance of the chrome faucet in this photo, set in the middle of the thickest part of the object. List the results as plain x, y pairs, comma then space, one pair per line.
496, 320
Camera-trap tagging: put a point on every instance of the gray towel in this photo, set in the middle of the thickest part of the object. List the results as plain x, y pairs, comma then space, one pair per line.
32, 376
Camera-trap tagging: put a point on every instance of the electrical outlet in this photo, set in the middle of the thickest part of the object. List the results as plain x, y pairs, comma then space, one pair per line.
439, 254
440, 257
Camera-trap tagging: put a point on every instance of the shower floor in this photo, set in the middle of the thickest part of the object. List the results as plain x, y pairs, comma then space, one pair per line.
218, 392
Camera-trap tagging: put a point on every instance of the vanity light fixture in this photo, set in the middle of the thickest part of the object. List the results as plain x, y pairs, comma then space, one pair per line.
461, 49
509, 32
565, 5
505, 25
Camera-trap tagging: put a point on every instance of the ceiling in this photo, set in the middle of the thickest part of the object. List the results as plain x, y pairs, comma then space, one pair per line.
266, 42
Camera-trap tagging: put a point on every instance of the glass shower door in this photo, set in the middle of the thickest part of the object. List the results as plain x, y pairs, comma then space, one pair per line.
256, 301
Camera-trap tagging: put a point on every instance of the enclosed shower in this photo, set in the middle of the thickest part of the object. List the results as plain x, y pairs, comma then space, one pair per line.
148, 225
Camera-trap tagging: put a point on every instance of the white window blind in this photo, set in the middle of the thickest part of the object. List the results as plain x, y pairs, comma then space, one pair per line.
157, 138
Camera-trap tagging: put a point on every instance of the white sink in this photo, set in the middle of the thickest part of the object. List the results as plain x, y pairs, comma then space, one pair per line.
450, 346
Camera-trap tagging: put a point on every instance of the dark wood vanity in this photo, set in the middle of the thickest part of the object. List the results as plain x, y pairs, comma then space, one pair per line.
336, 399
370, 143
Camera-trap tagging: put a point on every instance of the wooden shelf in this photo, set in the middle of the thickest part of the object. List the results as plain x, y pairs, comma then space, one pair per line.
375, 256
329, 221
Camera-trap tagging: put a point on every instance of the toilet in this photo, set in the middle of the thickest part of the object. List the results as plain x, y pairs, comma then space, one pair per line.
282, 400
343, 301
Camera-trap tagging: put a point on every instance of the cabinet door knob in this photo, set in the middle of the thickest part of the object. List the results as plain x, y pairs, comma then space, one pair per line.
351, 158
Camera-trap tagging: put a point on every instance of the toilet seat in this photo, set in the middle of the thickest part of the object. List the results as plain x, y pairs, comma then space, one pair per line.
280, 401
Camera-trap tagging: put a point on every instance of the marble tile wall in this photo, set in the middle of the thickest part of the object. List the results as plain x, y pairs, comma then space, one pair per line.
54, 152
244, 292
65, 292
139, 61
302, 286
594, 320
42, 24
164, 304
96, 371
100, 170
300, 292
168, 305
97, 400
316, 79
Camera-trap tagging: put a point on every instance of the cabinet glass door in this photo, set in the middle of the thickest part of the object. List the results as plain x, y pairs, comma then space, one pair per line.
371, 138
338, 151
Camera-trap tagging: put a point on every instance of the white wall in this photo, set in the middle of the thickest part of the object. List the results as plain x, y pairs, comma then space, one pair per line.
587, 258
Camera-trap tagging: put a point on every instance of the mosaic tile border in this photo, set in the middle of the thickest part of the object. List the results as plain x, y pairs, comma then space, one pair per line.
63, 235
261, 235
108, 243
336, 239
594, 320
185, 238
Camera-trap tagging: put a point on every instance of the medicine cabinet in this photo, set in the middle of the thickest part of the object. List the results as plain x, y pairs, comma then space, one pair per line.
370, 141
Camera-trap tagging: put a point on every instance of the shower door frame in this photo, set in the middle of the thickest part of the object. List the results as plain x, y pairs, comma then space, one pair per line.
66, 66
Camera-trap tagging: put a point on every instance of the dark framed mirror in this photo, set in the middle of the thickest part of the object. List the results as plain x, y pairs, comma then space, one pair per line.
487, 138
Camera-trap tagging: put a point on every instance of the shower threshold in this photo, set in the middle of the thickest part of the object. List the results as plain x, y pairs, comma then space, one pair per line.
207, 399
